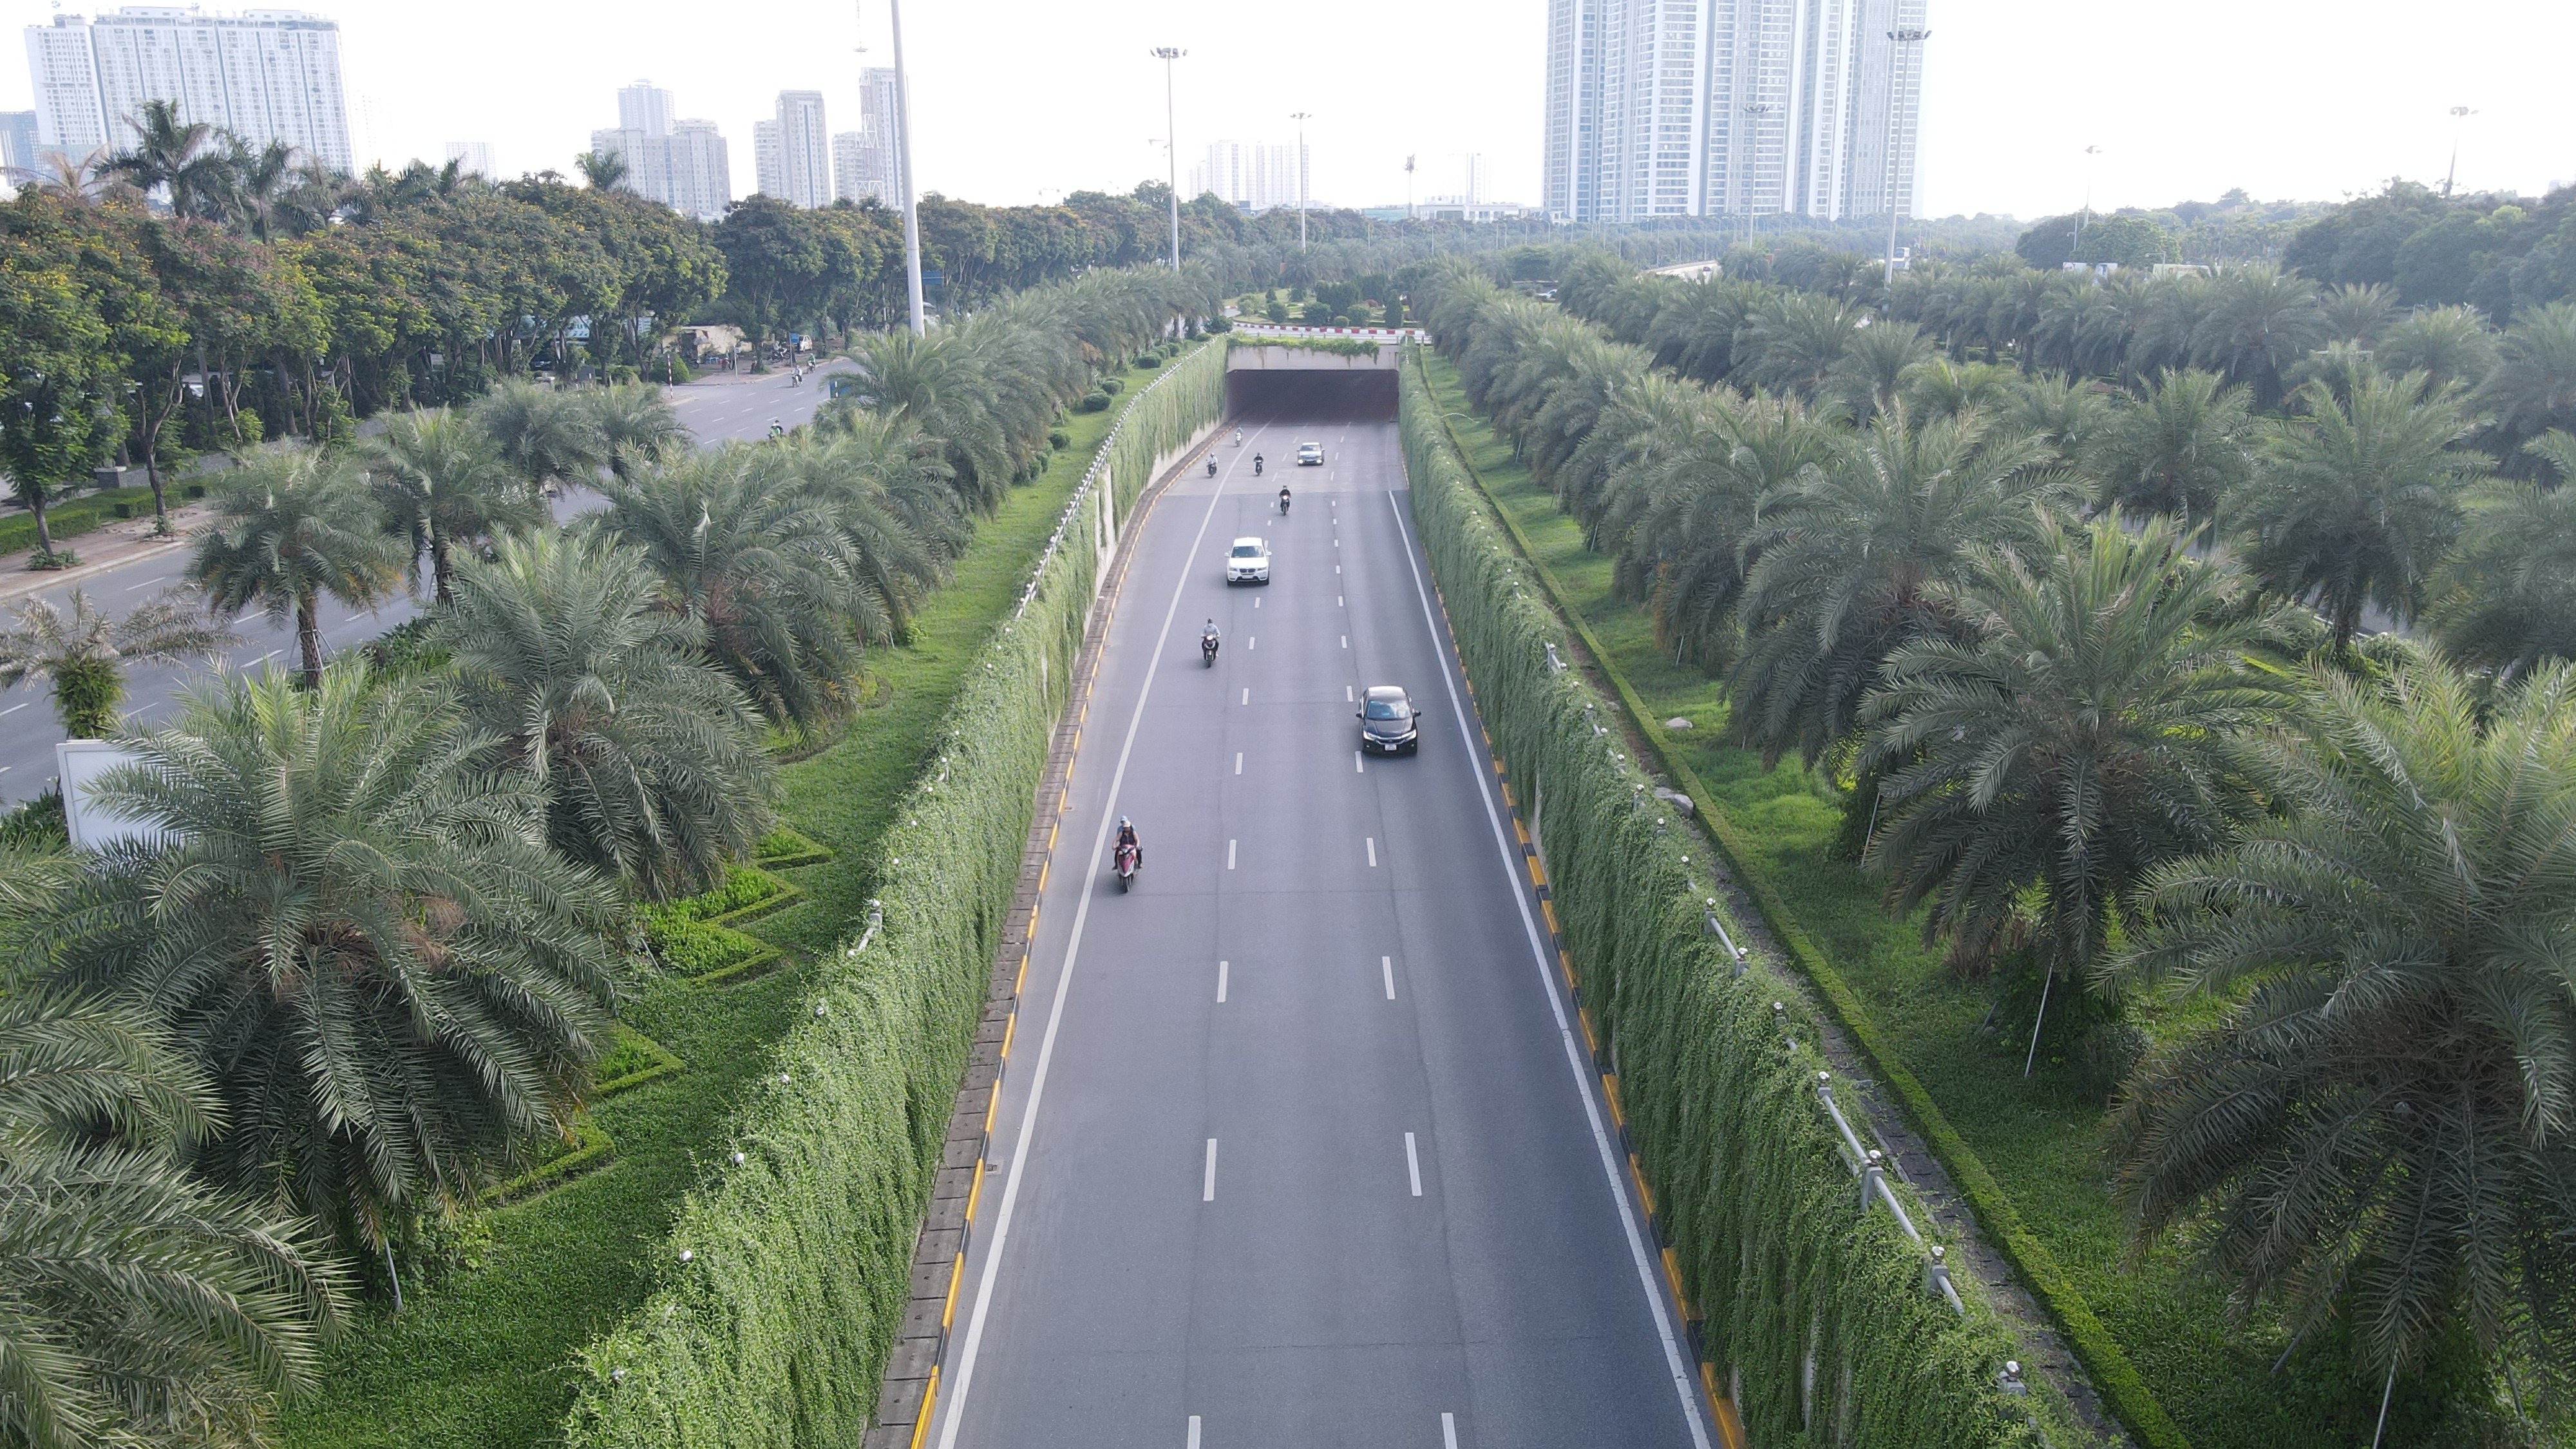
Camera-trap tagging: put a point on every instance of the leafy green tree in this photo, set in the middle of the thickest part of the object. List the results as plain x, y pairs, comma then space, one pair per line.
650, 761
2074, 736
441, 483
358, 935
1863, 556
2358, 499
84, 653
139, 1307
2506, 599
57, 389
2180, 449
291, 525
775, 255
2376, 1127
764, 570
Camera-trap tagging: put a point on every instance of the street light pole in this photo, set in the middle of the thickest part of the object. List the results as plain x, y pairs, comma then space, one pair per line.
2459, 119
1301, 118
2086, 214
1895, 111
911, 213
1172, 144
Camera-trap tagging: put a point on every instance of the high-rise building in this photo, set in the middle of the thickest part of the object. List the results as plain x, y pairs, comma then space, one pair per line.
793, 154
472, 158
682, 164
18, 151
1732, 108
263, 75
869, 161
1253, 175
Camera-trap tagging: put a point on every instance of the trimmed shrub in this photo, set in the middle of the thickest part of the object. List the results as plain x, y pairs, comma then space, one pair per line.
1113, 385
1814, 1310
775, 1330
1094, 401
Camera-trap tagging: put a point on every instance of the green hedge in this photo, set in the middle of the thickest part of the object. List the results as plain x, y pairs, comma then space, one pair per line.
73, 516
775, 1331
1754, 1197
1338, 346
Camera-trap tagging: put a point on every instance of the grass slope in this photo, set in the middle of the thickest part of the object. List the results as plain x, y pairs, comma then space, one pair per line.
483, 1361
2041, 1138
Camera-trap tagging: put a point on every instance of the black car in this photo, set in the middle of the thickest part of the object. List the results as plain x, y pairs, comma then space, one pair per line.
1386, 721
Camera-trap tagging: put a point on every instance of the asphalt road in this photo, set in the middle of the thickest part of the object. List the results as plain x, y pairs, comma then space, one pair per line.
1295, 1149
715, 413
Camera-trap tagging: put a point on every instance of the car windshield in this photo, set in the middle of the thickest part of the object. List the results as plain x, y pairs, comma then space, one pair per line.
1385, 709
1247, 550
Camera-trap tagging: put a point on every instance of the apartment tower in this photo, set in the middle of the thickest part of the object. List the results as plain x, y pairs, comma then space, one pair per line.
680, 163
793, 154
263, 75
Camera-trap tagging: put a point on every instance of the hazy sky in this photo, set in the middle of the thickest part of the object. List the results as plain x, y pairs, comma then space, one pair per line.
1017, 100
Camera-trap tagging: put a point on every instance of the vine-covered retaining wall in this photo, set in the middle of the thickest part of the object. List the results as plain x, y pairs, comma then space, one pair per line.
1816, 1313
782, 1287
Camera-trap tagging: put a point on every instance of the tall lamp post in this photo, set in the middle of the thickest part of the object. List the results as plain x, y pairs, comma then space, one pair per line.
1301, 118
2459, 120
2086, 214
903, 152
1895, 131
1172, 144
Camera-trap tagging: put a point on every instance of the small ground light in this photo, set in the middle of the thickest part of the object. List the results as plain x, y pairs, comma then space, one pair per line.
688, 1255
737, 1159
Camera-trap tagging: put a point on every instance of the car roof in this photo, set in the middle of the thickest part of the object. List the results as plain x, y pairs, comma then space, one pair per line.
1310, 445
1386, 691
1254, 541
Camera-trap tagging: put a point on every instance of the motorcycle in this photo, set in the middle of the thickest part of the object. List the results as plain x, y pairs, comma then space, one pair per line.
1127, 861
1211, 467
1256, 465
1207, 650
1283, 503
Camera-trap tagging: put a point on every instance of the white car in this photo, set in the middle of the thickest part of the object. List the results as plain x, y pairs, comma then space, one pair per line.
1310, 455
1248, 562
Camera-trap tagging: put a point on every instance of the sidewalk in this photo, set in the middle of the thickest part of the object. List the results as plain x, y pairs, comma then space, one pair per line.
101, 550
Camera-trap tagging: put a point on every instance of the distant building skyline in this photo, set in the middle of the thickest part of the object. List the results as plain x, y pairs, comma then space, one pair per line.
869, 161
792, 155
266, 76
1254, 175
473, 158
682, 163
18, 150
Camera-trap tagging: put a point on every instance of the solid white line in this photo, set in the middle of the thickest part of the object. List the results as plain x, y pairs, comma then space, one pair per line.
1238, 762
147, 583
1448, 1432
1247, 694
1337, 602
1256, 601
13, 709
1229, 855
1412, 1165
1346, 696
1386, 966
1207, 1183
1194, 1431
1248, 643
1683, 1383
1220, 981
1372, 845
1346, 641
1358, 768
1055, 1013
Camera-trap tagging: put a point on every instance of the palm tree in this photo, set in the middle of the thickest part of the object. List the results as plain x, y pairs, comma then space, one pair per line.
601, 169
1867, 375
84, 652
763, 569
2073, 737
357, 933
633, 424
138, 1305
180, 158
2451, 345
1861, 556
291, 525
2532, 387
2260, 322
545, 436
2067, 415
2180, 449
2506, 600
937, 382
441, 483
650, 760
2357, 501
1941, 388
2377, 1126
2356, 313
838, 474
1795, 340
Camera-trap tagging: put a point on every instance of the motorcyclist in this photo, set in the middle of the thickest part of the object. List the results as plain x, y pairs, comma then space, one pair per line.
1127, 840
1211, 467
1209, 639
1283, 497
1238, 437
1256, 465
777, 429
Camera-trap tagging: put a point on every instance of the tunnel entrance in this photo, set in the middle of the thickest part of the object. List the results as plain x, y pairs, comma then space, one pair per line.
1281, 384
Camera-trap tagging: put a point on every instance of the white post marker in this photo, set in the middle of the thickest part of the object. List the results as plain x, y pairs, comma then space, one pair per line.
1220, 981
1247, 694
1412, 1165
1207, 1183
1372, 845
1386, 967
1229, 855
1357, 767
1238, 762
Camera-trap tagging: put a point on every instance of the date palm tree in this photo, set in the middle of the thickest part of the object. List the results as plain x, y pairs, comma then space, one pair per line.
2506, 599
764, 570
2359, 499
2451, 345
2378, 1126
357, 933
1867, 375
939, 383
291, 525
633, 424
84, 653
139, 1306
650, 760
2180, 449
441, 483
2531, 389
2071, 739
1794, 341
185, 160
1860, 557
545, 436
2261, 321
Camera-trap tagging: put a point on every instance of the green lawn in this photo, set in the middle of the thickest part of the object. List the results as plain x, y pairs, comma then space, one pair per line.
483, 1359
2041, 1138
